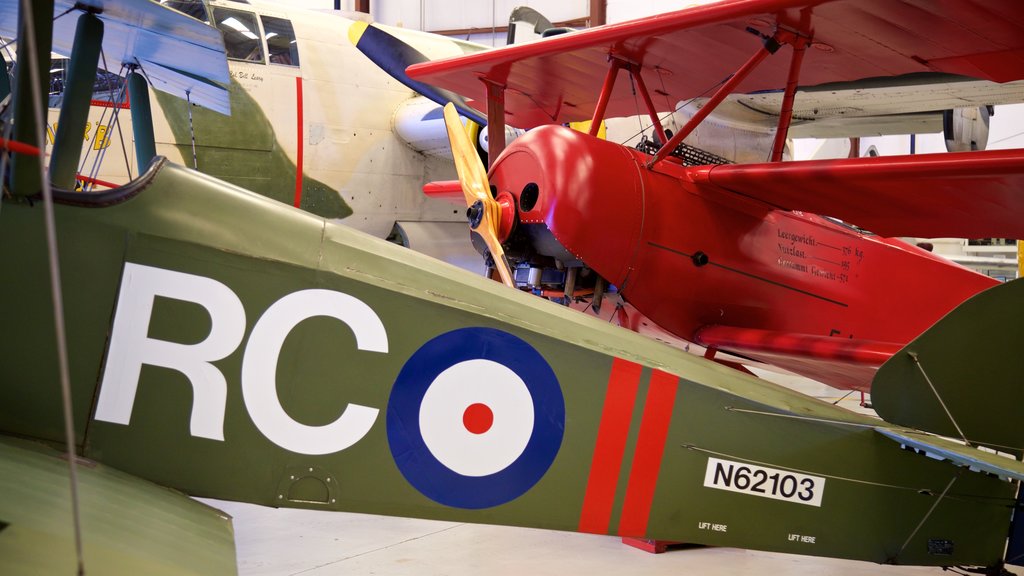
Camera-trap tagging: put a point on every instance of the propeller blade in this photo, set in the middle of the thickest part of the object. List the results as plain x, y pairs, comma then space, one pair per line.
393, 56
477, 190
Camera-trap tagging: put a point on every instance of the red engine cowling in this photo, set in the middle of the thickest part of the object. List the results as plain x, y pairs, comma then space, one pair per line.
578, 195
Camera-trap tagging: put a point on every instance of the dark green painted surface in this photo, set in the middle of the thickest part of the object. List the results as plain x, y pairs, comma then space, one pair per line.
242, 149
875, 492
25, 174
129, 526
81, 76
142, 120
973, 358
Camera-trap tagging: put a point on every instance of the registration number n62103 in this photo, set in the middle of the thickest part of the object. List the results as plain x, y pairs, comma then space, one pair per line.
765, 482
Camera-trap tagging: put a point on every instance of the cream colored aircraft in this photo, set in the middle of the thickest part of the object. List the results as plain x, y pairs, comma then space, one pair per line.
301, 95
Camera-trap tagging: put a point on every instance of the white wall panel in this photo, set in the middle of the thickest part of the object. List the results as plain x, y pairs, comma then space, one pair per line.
459, 14
620, 10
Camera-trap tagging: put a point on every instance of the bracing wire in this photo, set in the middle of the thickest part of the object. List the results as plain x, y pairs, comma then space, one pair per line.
120, 134
636, 104
102, 153
688, 102
55, 284
191, 128
88, 149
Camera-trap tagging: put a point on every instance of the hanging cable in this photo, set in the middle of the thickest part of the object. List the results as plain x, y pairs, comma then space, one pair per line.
55, 285
191, 128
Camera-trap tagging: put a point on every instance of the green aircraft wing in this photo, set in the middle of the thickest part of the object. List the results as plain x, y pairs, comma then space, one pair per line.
130, 526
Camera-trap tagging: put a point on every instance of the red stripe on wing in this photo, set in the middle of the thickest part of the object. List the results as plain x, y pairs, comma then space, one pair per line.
298, 158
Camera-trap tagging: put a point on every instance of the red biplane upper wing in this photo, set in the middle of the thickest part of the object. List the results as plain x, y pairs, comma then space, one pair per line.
688, 53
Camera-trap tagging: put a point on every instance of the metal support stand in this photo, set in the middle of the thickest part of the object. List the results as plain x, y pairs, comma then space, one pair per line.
85, 57
142, 120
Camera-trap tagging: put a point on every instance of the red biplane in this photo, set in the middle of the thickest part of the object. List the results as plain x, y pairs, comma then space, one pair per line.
741, 257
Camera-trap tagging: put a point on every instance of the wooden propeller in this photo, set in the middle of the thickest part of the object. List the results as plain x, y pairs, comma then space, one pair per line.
484, 212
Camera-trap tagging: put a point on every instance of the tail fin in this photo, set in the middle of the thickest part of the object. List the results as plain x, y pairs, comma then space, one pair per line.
964, 376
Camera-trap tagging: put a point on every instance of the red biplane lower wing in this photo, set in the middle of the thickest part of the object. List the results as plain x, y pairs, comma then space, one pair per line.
841, 362
962, 195
685, 54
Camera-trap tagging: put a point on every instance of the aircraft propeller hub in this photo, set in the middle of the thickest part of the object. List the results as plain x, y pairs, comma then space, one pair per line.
507, 215
475, 214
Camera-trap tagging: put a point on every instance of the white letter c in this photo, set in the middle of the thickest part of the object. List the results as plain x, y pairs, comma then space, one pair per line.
259, 370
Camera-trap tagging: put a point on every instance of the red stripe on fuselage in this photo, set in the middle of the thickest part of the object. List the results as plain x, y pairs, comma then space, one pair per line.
650, 447
610, 446
298, 159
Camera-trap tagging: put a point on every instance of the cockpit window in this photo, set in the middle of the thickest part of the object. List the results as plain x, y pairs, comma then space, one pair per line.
281, 45
241, 35
194, 8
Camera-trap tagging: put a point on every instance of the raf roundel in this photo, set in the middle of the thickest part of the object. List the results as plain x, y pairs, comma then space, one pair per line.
475, 418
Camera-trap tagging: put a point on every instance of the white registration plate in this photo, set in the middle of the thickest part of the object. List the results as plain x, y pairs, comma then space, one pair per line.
765, 482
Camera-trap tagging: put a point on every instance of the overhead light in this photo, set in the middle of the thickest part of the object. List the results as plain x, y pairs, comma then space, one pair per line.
271, 35
233, 22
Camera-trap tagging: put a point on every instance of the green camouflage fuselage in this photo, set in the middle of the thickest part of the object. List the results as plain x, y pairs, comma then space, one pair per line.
231, 347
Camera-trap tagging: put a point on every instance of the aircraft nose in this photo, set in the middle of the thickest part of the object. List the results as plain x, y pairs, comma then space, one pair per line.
539, 168
585, 191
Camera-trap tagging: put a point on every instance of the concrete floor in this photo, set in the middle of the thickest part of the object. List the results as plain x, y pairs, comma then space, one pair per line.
282, 542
